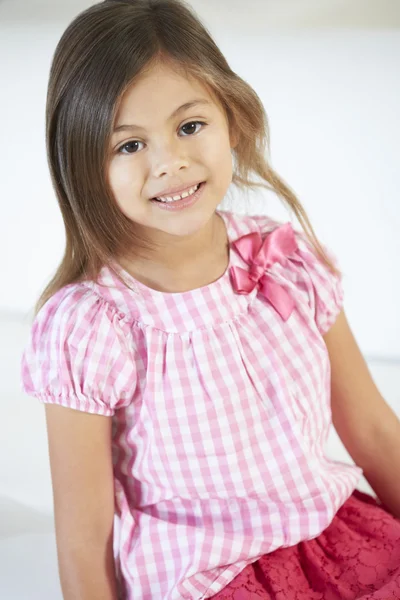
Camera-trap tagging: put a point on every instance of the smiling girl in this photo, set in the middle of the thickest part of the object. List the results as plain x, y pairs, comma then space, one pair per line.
191, 360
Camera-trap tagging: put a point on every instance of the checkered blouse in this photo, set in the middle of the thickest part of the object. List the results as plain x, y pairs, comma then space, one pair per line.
221, 410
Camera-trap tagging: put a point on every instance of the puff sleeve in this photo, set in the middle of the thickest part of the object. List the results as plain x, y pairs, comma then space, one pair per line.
79, 354
310, 275
326, 288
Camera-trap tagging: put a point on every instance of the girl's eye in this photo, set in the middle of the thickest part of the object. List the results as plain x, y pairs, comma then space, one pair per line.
133, 144
190, 128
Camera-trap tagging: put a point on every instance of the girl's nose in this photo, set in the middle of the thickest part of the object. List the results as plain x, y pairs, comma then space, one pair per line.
169, 160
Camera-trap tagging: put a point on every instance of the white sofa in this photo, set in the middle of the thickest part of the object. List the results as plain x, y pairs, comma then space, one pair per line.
28, 561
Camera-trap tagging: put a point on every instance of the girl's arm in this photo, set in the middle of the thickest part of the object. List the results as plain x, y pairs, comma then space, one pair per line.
367, 426
83, 492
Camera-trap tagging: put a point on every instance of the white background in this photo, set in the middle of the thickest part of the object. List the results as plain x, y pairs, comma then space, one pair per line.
328, 74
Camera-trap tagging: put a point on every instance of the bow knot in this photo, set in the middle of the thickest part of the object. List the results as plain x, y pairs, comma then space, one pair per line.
260, 255
256, 272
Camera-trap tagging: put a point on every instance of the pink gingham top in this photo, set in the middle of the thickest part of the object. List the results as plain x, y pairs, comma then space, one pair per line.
221, 411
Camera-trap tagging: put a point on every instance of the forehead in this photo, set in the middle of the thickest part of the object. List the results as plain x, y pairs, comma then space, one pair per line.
159, 91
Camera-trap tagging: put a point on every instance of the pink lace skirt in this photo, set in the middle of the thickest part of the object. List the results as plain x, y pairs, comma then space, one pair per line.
357, 556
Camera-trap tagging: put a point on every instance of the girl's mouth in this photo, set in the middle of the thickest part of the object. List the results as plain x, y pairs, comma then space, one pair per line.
186, 202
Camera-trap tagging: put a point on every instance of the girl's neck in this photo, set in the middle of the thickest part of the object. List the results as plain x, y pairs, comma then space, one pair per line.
185, 266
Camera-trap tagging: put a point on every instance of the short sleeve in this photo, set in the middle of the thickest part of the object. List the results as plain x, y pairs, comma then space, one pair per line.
323, 287
79, 354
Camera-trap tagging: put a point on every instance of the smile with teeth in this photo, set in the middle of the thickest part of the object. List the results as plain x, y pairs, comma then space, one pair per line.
181, 197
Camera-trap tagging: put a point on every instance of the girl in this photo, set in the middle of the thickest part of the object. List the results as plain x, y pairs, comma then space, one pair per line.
190, 358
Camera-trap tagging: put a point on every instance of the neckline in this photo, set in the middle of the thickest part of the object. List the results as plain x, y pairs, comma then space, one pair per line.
143, 289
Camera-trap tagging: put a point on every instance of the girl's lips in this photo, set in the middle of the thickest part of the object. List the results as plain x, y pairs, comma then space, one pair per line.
181, 204
176, 192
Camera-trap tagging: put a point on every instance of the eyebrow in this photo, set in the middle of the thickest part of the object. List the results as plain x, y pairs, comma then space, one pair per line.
176, 112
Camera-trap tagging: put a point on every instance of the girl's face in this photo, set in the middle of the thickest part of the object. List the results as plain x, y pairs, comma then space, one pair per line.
175, 137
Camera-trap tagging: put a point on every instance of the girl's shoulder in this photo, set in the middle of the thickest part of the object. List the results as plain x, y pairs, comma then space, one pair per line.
70, 301
70, 312
239, 224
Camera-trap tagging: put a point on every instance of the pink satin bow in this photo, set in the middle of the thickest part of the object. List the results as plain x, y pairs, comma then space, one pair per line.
260, 255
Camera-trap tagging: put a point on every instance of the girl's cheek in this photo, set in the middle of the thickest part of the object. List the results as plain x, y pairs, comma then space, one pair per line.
213, 147
125, 172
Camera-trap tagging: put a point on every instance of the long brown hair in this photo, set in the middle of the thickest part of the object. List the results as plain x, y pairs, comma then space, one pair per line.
97, 58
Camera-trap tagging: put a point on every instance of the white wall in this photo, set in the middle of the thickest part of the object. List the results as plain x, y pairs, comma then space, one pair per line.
331, 88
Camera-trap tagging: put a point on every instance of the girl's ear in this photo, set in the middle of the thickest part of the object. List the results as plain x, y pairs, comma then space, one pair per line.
234, 137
